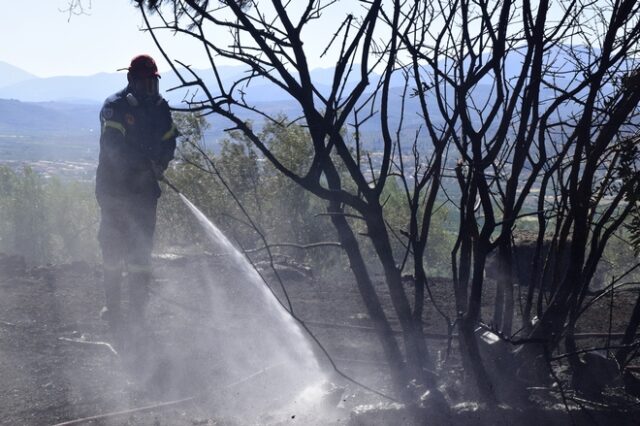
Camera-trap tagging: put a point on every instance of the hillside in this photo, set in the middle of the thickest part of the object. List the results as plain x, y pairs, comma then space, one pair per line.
67, 107
26, 118
10, 75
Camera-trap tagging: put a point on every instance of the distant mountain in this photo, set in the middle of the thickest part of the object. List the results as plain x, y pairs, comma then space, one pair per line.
18, 84
10, 75
71, 104
95, 88
25, 118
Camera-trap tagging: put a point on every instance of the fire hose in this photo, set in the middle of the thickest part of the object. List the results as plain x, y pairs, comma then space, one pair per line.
163, 179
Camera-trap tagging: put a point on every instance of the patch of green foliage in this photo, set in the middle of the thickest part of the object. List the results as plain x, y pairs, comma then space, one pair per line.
280, 210
46, 220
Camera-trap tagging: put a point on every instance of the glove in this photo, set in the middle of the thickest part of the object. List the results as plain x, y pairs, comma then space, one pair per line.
158, 171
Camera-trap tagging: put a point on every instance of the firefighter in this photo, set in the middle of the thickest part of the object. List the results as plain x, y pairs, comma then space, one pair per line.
137, 142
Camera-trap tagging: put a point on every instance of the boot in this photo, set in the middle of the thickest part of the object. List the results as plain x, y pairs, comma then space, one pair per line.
111, 312
138, 296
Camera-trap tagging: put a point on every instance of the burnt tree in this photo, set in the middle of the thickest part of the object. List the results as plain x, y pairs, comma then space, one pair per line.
523, 110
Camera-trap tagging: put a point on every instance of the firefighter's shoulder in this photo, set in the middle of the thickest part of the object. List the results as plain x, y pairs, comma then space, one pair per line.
113, 107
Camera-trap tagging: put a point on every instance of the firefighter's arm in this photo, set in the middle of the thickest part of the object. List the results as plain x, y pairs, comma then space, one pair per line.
112, 136
168, 139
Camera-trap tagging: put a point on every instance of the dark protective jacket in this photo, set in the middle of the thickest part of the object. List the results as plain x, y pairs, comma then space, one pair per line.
134, 135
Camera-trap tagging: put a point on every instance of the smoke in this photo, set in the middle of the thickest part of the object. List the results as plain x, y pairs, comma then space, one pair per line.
226, 340
216, 339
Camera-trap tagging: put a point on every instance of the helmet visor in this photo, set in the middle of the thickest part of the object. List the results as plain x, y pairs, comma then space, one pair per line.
146, 87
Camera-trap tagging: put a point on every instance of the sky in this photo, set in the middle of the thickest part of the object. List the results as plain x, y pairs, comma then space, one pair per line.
41, 39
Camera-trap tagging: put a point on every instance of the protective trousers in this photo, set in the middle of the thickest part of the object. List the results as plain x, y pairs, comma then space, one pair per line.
126, 240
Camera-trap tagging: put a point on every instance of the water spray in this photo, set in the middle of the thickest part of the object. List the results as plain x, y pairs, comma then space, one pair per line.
293, 323
285, 352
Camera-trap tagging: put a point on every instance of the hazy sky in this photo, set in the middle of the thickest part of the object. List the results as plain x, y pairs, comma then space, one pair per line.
38, 37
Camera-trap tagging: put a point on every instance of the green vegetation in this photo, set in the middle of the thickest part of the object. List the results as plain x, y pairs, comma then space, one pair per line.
46, 220
235, 188
54, 220
281, 210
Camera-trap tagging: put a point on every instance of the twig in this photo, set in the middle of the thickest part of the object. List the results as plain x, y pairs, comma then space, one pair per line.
300, 246
340, 214
252, 376
89, 342
595, 349
125, 412
8, 324
548, 359
435, 336
165, 404
610, 317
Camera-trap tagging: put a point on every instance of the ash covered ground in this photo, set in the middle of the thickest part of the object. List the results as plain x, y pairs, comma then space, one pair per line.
54, 367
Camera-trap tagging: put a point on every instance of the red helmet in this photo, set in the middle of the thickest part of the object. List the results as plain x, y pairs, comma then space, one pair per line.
143, 66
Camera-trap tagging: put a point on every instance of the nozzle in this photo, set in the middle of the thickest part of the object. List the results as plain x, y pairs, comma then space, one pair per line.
164, 180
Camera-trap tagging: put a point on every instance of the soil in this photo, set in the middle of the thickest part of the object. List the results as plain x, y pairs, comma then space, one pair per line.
56, 363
